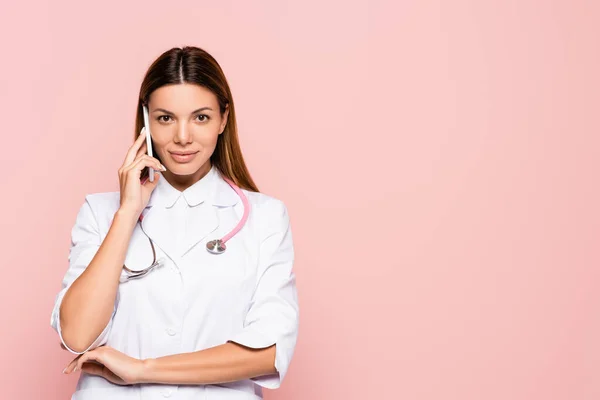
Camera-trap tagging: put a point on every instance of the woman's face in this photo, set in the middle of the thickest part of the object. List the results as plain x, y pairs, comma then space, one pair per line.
185, 124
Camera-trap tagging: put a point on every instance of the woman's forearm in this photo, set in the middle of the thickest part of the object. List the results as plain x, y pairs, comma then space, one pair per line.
224, 363
88, 304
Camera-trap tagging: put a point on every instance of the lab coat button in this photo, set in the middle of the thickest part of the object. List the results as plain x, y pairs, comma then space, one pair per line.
167, 392
171, 331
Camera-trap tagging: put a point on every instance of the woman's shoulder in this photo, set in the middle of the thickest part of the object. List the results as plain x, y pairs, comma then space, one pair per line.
99, 207
268, 210
104, 202
264, 202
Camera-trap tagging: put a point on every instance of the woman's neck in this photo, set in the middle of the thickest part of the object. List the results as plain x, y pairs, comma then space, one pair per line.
182, 182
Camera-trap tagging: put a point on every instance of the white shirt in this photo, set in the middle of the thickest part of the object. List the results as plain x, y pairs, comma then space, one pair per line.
196, 300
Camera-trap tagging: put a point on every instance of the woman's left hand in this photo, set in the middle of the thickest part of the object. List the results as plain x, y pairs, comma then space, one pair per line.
109, 363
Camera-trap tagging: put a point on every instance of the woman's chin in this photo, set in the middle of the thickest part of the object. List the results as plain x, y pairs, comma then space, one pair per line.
183, 169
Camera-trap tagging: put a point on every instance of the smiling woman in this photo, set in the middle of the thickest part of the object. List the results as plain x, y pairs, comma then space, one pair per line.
184, 138
204, 325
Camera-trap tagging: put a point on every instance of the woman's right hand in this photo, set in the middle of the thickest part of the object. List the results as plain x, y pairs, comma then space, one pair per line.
135, 194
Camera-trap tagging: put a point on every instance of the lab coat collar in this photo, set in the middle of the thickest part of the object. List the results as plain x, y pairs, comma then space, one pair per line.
211, 186
212, 190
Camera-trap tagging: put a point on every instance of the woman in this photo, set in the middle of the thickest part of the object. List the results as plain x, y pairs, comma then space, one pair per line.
198, 325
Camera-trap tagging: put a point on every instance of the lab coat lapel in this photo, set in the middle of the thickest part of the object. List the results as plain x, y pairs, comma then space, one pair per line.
204, 218
202, 221
156, 226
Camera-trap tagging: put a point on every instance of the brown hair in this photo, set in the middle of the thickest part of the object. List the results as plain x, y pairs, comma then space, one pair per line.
194, 65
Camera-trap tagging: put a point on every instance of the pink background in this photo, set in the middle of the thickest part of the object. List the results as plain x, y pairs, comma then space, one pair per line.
439, 160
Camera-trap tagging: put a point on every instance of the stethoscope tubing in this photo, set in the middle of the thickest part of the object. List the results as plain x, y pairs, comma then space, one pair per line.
213, 246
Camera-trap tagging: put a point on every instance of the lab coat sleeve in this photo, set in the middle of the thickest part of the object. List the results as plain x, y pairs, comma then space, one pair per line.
85, 242
273, 315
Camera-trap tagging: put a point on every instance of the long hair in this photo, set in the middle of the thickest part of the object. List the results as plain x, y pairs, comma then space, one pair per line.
194, 65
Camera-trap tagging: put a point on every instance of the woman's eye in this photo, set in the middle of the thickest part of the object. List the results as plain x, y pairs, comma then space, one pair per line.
202, 118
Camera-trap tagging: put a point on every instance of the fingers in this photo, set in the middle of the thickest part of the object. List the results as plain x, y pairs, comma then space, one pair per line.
101, 370
94, 369
69, 368
131, 153
142, 150
89, 356
75, 364
146, 182
145, 161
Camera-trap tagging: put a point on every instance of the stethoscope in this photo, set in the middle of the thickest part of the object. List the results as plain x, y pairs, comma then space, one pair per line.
216, 246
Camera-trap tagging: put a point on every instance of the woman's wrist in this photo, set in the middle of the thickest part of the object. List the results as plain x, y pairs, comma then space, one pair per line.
146, 369
127, 215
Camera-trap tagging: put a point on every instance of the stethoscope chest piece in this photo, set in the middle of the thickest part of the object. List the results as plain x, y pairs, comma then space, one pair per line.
216, 246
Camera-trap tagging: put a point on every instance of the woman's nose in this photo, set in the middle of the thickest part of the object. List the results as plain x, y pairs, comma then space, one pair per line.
183, 134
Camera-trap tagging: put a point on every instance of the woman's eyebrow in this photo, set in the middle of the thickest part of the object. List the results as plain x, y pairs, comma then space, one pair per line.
193, 112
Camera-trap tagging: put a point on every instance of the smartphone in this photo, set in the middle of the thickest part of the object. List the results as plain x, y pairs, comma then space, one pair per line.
148, 140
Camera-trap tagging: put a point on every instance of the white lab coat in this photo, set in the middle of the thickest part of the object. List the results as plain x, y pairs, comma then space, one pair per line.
197, 299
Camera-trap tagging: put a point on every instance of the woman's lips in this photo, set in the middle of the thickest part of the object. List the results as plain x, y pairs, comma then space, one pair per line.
183, 158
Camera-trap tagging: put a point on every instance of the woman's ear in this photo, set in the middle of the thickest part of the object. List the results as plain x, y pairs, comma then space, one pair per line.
224, 122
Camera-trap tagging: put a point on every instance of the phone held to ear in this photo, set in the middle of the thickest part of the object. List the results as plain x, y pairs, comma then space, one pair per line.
148, 141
